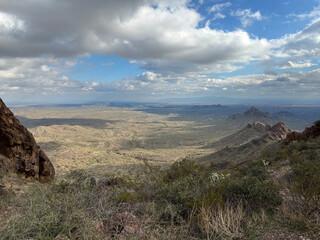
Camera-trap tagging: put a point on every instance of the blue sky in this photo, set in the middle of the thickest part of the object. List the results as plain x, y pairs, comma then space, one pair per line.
154, 50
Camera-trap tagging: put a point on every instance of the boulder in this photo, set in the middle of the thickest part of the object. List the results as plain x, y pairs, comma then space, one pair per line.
19, 151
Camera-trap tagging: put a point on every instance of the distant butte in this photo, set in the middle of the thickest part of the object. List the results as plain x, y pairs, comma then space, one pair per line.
18, 149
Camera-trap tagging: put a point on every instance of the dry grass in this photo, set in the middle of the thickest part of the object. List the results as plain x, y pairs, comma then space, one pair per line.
222, 222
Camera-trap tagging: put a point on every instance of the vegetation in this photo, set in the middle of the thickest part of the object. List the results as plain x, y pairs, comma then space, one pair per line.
186, 201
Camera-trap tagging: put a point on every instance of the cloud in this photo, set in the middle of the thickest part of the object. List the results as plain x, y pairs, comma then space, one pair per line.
220, 6
247, 17
304, 44
300, 64
37, 49
166, 36
219, 16
315, 13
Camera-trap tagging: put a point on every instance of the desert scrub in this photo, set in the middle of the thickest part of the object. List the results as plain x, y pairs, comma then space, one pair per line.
251, 185
70, 207
148, 204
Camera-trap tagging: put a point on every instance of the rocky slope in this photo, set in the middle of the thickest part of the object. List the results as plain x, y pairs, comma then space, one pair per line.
245, 135
18, 149
235, 154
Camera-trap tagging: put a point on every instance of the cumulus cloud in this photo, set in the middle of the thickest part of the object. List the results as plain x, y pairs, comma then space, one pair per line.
37, 76
304, 44
163, 37
167, 34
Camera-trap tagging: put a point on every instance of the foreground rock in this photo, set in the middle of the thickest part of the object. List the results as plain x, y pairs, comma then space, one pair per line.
19, 151
309, 132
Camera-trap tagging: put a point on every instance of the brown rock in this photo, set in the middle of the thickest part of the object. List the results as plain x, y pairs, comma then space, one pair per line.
309, 132
278, 132
19, 151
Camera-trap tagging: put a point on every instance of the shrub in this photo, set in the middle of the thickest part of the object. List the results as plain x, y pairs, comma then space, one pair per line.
317, 123
252, 186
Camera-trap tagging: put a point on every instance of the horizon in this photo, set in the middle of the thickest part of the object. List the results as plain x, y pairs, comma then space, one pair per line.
159, 51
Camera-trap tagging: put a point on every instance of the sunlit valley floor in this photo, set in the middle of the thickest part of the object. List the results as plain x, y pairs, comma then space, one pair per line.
103, 139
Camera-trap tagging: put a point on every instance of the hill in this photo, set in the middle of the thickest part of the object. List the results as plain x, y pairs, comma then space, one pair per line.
252, 115
250, 132
246, 144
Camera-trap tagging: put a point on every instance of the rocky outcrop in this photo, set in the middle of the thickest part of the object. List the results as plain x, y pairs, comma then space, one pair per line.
278, 132
19, 151
309, 132
259, 126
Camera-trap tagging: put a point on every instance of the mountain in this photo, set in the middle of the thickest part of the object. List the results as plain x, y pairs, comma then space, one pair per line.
19, 151
250, 132
252, 115
246, 144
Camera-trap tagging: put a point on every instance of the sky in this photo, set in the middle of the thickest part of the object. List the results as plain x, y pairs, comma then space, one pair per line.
79, 51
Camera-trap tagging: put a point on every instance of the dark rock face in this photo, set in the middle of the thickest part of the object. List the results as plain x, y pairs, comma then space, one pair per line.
309, 132
19, 151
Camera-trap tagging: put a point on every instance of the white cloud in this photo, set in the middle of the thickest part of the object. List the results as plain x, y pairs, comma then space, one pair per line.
10, 23
315, 13
247, 17
303, 44
220, 6
219, 16
164, 37
300, 64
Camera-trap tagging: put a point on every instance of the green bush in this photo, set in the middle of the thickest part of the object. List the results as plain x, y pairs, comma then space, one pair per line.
317, 123
251, 185
186, 168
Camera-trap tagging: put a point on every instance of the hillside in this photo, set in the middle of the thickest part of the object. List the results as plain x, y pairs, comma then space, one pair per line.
277, 198
250, 132
246, 144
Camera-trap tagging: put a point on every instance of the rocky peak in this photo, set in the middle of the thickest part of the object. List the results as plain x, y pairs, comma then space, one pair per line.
19, 151
278, 132
256, 112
